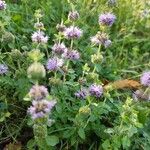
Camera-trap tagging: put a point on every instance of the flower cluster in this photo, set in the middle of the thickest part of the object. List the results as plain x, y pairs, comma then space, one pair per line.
73, 15
38, 92
71, 54
2, 5
39, 37
82, 94
60, 51
145, 79
101, 39
3, 69
107, 19
54, 64
72, 32
59, 48
94, 90
40, 109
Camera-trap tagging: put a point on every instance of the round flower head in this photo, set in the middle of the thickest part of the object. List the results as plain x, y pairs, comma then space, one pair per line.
145, 79
96, 90
71, 54
3, 69
61, 27
59, 48
38, 92
101, 38
82, 94
107, 19
2, 5
54, 64
73, 15
73, 32
40, 109
39, 37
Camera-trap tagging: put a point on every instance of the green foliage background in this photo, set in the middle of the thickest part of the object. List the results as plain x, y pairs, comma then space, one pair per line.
128, 57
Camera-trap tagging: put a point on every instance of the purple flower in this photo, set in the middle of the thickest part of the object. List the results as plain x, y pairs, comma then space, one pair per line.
2, 5
39, 37
54, 64
145, 79
107, 19
40, 109
59, 48
73, 15
82, 94
71, 54
3, 69
96, 90
38, 92
73, 32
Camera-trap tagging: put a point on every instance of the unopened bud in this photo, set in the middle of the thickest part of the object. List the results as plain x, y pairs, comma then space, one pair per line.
36, 71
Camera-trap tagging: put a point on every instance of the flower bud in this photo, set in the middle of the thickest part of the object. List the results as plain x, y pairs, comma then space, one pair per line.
55, 81
16, 54
7, 37
73, 15
92, 76
84, 110
61, 27
40, 131
39, 26
96, 58
35, 55
82, 81
36, 71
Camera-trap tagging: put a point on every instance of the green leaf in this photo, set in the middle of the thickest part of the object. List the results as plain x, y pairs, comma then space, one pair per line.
52, 140
125, 142
81, 133
2, 119
106, 145
31, 144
